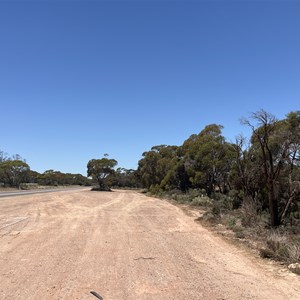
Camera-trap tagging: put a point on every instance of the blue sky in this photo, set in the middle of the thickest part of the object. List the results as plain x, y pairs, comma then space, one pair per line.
82, 78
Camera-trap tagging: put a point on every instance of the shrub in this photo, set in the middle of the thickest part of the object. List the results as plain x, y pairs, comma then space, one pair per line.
249, 213
231, 222
209, 218
216, 208
294, 253
239, 232
154, 189
276, 247
202, 201
183, 198
236, 197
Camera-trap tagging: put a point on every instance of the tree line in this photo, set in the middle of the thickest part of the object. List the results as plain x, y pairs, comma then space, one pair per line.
103, 172
15, 172
265, 169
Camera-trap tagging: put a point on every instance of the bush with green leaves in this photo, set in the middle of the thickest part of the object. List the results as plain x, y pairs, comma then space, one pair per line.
203, 201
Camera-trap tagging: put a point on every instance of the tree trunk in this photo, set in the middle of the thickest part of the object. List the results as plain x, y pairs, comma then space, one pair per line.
273, 205
101, 184
209, 188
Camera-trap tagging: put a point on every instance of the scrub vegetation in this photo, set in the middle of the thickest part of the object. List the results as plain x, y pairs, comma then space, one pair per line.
251, 186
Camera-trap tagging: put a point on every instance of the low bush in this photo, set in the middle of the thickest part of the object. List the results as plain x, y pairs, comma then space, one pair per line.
203, 201
281, 247
216, 208
248, 222
249, 212
239, 232
294, 253
224, 201
231, 222
103, 189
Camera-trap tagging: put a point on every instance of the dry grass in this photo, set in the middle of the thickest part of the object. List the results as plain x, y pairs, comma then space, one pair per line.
281, 247
249, 213
294, 253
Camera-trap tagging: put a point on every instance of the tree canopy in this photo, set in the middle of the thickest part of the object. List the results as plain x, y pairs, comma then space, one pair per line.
13, 172
265, 169
100, 170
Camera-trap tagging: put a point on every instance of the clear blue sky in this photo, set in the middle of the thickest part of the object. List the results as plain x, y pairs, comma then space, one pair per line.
82, 78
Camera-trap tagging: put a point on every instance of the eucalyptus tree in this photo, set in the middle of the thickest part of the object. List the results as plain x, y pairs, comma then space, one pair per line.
13, 172
275, 144
246, 177
156, 164
207, 159
100, 169
126, 178
290, 191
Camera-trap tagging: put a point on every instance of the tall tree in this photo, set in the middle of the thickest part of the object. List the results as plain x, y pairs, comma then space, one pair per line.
291, 173
100, 169
270, 138
208, 158
245, 173
156, 164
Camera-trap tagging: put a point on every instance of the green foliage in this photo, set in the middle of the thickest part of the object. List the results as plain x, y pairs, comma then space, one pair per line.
265, 169
100, 170
202, 201
207, 159
159, 167
231, 222
124, 178
13, 172
216, 208
55, 178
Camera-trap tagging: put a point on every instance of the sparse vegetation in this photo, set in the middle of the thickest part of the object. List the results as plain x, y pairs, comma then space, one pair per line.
252, 188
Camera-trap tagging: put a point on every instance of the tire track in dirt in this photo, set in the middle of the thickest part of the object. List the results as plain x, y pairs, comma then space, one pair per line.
123, 245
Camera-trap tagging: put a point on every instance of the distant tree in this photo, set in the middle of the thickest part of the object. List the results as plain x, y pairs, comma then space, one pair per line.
100, 169
125, 178
3, 156
79, 179
13, 172
32, 176
51, 177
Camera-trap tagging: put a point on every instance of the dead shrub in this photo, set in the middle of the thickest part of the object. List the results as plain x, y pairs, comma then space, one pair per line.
294, 253
276, 247
209, 218
239, 231
216, 208
249, 212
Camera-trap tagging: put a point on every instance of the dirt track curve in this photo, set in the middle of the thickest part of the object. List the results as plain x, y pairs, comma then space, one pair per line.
123, 245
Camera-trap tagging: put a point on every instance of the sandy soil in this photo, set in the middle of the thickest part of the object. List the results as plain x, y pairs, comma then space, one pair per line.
123, 245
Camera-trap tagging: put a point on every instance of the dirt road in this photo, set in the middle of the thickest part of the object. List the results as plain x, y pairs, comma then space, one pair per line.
123, 245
